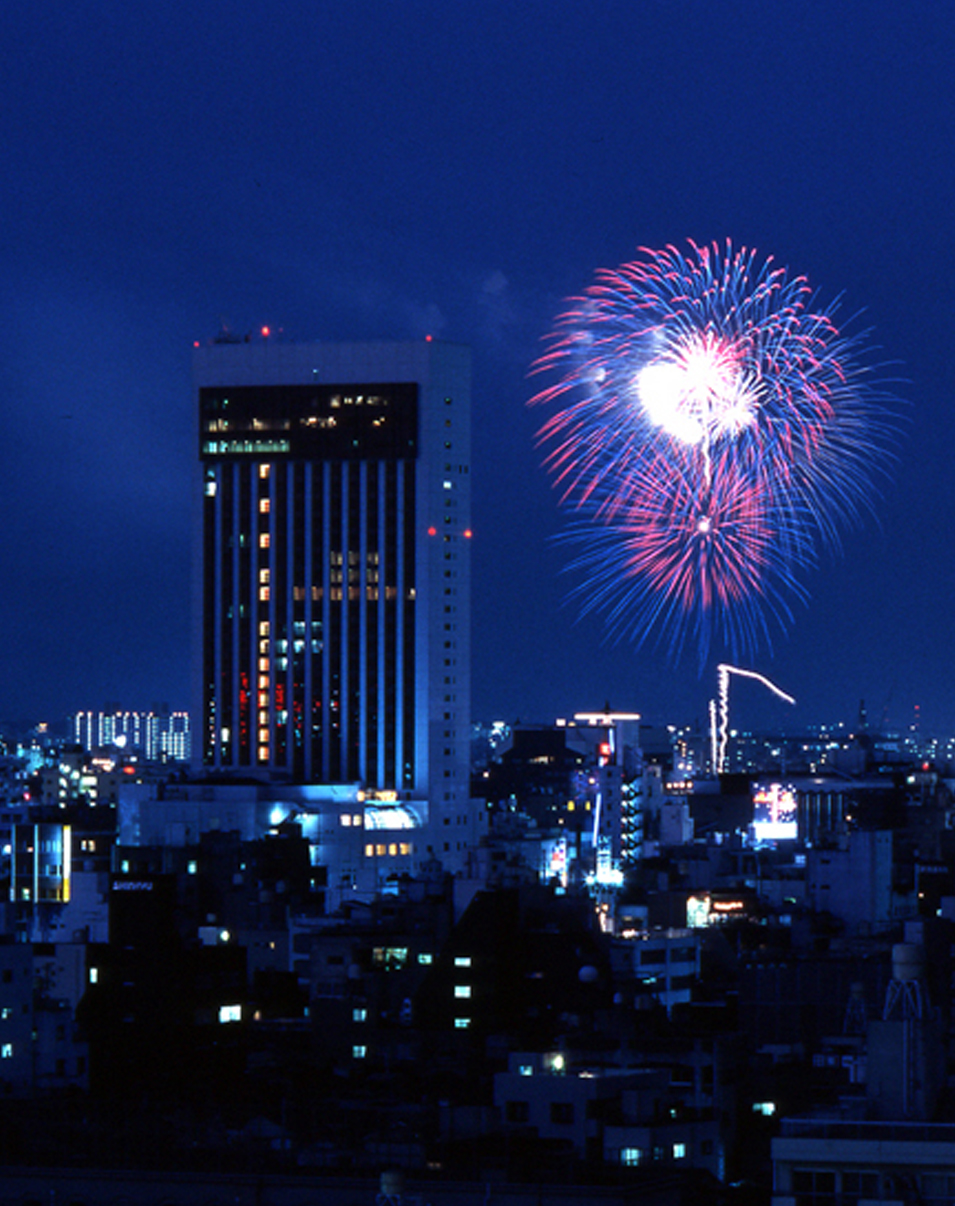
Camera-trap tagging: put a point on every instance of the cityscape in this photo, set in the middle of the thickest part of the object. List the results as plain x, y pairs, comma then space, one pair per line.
322, 925
476, 722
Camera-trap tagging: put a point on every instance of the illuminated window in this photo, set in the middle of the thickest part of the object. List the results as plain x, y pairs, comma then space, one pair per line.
462, 961
230, 1013
424, 957
94, 975
191, 868
525, 1070
6, 1012
380, 849
462, 1023
263, 628
359, 1014
404, 847
369, 851
265, 575
263, 594
630, 1156
6, 1051
462, 990
679, 1151
344, 819
359, 1051
265, 506
264, 470
389, 956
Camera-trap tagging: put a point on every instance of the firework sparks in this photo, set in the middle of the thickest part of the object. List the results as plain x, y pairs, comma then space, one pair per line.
711, 430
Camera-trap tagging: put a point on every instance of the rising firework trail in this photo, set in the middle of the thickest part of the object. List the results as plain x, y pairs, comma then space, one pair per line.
721, 721
711, 431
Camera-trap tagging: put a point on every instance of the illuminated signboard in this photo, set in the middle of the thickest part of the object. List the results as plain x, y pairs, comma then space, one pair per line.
774, 813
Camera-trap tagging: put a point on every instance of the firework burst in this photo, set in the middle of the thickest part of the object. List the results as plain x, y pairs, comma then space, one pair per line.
711, 431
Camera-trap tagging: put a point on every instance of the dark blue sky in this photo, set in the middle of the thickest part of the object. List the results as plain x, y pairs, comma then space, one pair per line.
373, 169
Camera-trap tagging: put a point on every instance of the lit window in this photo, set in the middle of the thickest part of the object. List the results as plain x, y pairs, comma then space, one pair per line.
404, 847
345, 819
264, 470
462, 1023
263, 594
462, 961
6, 1051
369, 851
462, 990
630, 1156
265, 505
359, 1014
94, 975
679, 1151
525, 1070
230, 1013
424, 957
6, 1012
359, 1051
265, 575
191, 868
356, 819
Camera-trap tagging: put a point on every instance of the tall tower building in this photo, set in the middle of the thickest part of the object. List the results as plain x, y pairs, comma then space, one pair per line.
334, 617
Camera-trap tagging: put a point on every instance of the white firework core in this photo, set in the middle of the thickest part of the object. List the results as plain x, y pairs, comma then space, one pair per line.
699, 391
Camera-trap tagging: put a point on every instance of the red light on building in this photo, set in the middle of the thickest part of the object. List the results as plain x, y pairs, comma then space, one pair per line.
266, 332
432, 531
468, 533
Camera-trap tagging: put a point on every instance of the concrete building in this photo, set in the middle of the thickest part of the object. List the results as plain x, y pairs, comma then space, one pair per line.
334, 574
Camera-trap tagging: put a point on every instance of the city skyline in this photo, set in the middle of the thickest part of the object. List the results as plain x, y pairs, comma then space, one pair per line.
378, 174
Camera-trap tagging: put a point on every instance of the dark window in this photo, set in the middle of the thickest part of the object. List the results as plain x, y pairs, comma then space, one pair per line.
517, 1111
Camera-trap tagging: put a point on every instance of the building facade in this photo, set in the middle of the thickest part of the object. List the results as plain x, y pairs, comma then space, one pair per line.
334, 617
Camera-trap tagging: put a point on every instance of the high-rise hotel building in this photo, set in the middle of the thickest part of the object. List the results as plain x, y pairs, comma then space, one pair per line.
334, 561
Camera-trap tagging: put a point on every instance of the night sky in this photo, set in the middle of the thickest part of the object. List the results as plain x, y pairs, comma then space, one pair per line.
383, 170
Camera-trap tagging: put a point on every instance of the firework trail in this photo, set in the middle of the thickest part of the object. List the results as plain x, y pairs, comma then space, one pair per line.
711, 430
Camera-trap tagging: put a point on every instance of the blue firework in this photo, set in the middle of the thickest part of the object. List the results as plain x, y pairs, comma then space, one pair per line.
711, 430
